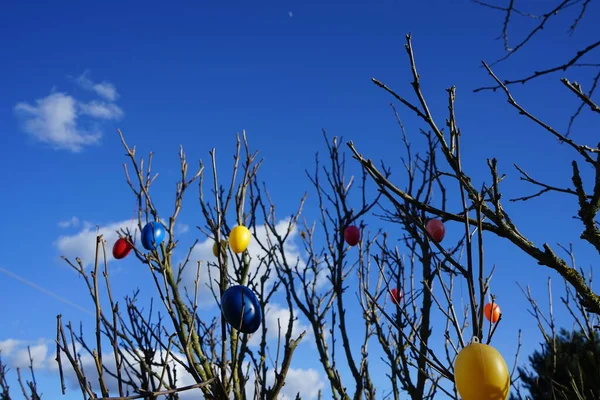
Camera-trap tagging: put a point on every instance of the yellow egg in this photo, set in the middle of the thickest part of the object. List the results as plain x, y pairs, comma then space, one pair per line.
480, 373
216, 247
239, 239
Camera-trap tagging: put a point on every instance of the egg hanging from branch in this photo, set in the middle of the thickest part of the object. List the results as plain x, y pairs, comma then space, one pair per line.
352, 235
121, 248
152, 235
436, 229
480, 373
239, 239
241, 309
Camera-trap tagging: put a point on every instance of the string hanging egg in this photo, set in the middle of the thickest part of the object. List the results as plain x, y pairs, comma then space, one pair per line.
396, 296
241, 309
239, 239
352, 235
436, 229
152, 235
492, 313
215, 248
121, 248
480, 373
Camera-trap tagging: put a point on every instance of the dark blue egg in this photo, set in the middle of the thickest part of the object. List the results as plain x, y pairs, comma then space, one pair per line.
241, 309
152, 235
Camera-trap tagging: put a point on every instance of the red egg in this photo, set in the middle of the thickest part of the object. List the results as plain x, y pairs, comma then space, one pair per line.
352, 235
396, 296
436, 229
121, 248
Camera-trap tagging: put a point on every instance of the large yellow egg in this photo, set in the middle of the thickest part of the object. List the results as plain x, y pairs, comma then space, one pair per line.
239, 239
480, 373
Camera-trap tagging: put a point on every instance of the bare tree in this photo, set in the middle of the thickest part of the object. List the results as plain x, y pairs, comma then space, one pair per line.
147, 350
495, 217
562, 379
573, 13
140, 353
411, 261
317, 285
29, 388
480, 210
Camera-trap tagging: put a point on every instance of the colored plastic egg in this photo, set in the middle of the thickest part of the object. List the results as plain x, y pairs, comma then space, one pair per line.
436, 229
121, 248
480, 373
152, 235
492, 314
352, 235
241, 309
215, 247
396, 296
239, 239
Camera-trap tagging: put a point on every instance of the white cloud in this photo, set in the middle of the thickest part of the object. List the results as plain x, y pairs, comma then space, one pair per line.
112, 384
83, 243
203, 252
43, 352
101, 110
307, 382
7, 346
53, 120
276, 316
103, 89
180, 228
14, 352
72, 222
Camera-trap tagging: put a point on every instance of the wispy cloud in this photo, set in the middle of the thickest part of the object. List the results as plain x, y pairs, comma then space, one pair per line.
14, 352
180, 228
72, 222
53, 120
103, 89
276, 320
56, 119
299, 381
83, 243
101, 110
306, 382
203, 251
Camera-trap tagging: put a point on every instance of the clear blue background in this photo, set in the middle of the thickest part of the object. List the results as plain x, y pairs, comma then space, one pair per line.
195, 73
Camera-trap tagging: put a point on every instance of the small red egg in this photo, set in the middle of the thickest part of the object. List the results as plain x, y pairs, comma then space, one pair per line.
396, 296
436, 229
352, 235
121, 248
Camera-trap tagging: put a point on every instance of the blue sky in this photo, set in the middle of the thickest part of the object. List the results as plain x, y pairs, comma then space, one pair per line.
194, 74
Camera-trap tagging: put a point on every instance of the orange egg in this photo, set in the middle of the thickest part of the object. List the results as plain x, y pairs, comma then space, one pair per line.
492, 314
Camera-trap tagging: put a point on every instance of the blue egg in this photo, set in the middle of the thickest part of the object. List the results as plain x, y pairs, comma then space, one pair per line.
152, 235
241, 309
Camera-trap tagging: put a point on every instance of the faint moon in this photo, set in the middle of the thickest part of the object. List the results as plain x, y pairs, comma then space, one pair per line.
291, 14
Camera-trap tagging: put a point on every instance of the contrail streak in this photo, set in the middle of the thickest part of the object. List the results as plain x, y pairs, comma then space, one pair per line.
49, 293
